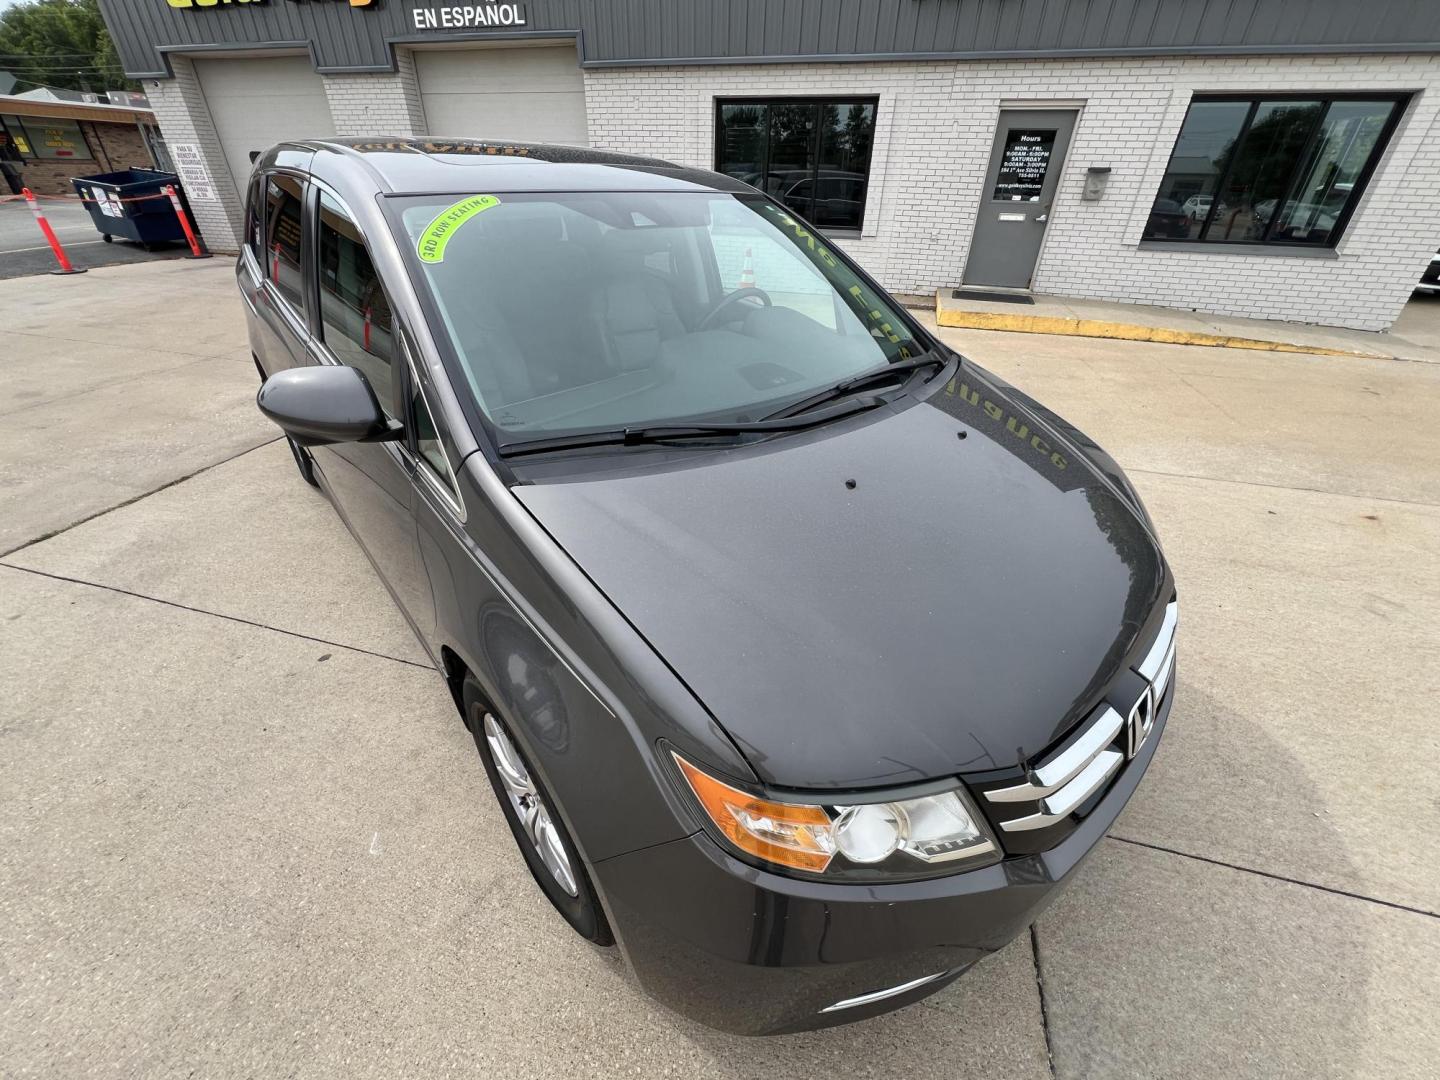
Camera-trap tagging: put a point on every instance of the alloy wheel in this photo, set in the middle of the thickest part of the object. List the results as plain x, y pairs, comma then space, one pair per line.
530, 806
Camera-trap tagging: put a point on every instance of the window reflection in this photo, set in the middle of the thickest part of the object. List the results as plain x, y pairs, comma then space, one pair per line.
1259, 166
354, 310
813, 156
1283, 171
284, 197
1349, 139
1195, 166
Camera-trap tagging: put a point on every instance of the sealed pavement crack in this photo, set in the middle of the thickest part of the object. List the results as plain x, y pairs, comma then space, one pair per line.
133, 500
1279, 877
220, 615
1044, 1010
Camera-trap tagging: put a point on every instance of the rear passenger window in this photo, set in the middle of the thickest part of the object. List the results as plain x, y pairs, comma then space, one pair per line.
284, 197
252, 221
354, 310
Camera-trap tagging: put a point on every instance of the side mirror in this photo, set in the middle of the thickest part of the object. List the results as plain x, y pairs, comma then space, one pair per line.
325, 404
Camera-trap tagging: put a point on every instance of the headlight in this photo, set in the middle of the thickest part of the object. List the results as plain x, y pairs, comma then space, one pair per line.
928, 829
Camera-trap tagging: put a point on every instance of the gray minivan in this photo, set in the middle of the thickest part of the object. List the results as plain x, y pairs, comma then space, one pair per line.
805, 657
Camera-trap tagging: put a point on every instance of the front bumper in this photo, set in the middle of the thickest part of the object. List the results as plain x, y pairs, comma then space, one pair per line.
751, 952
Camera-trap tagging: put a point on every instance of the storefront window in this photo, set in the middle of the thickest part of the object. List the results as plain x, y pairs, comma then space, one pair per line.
813, 156
15, 142
52, 139
1285, 170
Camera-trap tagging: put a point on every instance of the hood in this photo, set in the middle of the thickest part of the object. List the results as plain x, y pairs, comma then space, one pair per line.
956, 610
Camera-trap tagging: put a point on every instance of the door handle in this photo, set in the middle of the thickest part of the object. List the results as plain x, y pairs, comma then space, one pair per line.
1043, 218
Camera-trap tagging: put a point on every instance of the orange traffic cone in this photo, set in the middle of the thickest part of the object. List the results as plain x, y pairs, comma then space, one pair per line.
747, 272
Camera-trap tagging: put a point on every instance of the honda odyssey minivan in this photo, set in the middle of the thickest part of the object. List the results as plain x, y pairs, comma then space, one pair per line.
806, 658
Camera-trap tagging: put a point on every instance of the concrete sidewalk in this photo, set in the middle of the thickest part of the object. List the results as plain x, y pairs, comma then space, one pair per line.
1410, 339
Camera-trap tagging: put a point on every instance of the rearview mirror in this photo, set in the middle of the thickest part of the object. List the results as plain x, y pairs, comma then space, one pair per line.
325, 404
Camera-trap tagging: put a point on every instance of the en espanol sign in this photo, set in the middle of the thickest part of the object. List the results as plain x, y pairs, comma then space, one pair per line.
464, 16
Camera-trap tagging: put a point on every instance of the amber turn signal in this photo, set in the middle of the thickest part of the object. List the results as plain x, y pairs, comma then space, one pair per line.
785, 833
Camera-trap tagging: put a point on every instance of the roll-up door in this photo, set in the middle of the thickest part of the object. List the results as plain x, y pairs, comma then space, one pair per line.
521, 94
258, 102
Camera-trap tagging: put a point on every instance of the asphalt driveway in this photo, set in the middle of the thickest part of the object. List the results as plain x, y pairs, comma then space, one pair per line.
24, 250
243, 832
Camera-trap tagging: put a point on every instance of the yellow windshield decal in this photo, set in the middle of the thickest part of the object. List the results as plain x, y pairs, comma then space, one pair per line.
431, 244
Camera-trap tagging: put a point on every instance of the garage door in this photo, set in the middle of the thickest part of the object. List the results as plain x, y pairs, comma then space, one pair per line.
257, 103
528, 95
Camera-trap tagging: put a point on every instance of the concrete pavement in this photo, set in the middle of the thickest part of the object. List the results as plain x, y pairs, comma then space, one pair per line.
116, 383
242, 831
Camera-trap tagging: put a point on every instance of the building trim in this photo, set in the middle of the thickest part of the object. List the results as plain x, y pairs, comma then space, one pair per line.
1029, 54
408, 41
1268, 251
231, 48
75, 110
412, 40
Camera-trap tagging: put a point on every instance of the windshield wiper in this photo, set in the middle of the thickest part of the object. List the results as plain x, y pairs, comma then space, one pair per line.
864, 381
637, 436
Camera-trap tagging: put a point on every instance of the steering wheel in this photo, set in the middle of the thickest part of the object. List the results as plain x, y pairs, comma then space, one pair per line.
729, 300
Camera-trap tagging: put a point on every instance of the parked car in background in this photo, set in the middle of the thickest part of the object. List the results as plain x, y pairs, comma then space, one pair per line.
1430, 280
1197, 207
805, 657
839, 199
1168, 218
1306, 222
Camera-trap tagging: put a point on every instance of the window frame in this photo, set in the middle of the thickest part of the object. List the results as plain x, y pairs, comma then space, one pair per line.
816, 100
254, 220
1399, 99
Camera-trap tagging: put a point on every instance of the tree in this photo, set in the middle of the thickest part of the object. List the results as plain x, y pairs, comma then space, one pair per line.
61, 43
1261, 166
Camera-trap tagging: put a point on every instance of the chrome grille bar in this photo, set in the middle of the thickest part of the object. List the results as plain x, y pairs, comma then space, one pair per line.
1062, 804
1162, 680
1155, 658
1062, 783
1056, 772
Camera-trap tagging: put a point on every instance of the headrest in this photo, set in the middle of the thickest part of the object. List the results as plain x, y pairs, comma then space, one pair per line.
514, 227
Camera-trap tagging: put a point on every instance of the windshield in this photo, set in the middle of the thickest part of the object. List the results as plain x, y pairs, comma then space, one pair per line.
592, 311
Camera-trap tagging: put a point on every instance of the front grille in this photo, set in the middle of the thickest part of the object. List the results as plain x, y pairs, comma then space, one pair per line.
1037, 810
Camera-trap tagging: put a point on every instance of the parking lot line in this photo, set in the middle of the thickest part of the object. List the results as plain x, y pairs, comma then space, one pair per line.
45, 247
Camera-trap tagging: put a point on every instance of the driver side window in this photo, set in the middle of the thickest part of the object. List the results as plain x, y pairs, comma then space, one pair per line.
354, 310
745, 256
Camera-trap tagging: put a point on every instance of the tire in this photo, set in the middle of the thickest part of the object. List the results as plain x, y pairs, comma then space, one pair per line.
581, 909
303, 461
107, 238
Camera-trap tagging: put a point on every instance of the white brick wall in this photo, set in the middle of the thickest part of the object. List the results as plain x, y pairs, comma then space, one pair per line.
934, 130
377, 104
936, 124
183, 117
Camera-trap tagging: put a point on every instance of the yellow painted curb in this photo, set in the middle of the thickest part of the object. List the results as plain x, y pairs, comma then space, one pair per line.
1094, 328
